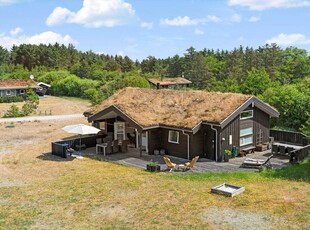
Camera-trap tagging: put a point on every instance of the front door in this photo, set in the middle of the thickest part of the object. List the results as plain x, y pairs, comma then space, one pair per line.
209, 145
144, 141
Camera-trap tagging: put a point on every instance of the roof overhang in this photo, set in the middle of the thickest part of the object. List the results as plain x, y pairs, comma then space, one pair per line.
112, 112
19, 87
254, 101
42, 83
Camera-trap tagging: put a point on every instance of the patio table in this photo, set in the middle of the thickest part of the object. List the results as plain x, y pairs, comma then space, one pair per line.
104, 146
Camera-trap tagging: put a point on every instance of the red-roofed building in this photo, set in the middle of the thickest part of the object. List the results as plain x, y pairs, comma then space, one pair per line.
16, 87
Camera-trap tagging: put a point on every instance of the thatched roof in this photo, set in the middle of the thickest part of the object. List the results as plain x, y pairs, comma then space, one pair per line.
169, 81
177, 108
17, 84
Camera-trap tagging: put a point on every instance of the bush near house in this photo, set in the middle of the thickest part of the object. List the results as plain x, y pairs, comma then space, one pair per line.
11, 99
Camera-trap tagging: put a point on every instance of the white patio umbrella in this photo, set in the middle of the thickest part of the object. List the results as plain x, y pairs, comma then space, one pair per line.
80, 129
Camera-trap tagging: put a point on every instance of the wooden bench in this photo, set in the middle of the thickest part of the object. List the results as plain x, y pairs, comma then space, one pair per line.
248, 150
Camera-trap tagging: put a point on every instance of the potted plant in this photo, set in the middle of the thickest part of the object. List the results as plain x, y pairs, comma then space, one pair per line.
80, 147
153, 166
227, 155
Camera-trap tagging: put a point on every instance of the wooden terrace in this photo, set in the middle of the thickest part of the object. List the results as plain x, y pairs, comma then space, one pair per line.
133, 158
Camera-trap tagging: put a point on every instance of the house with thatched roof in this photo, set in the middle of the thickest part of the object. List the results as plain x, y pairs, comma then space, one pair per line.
16, 87
169, 83
185, 123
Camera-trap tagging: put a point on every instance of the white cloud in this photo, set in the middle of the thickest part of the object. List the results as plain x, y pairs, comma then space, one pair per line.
179, 21
289, 39
95, 14
48, 37
16, 31
59, 15
236, 18
147, 25
199, 32
269, 4
187, 21
213, 18
254, 19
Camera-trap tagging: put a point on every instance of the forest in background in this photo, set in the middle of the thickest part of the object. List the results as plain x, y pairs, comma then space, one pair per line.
280, 77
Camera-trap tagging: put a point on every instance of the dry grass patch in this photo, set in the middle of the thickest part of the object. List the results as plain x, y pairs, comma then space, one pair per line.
51, 105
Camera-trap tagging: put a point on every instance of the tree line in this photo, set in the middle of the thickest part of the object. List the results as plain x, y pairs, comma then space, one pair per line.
280, 77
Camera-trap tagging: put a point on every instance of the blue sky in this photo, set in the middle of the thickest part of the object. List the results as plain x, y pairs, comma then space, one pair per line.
160, 28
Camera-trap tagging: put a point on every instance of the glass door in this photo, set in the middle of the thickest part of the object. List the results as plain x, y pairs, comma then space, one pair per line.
119, 131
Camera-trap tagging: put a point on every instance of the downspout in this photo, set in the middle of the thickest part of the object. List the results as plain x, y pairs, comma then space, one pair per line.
187, 143
215, 141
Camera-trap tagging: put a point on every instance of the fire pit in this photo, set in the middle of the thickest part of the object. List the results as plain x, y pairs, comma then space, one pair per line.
228, 189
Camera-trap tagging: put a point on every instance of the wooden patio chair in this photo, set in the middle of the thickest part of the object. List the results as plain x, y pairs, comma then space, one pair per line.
109, 148
115, 146
190, 165
124, 146
256, 163
169, 164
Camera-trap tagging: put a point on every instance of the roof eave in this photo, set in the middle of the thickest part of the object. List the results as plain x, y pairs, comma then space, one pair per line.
258, 103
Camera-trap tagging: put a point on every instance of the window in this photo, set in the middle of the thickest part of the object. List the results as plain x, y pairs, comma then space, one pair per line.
246, 114
246, 131
173, 137
102, 125
22, 91
246, 140
246, 136
119, 131
8, 92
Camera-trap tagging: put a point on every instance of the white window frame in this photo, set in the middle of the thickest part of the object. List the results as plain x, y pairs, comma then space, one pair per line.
247, 143
246, 111
120, 131
21, 91
246, 134
170, 136
8, 92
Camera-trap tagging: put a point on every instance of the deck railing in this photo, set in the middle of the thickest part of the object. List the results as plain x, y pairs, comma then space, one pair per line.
289, 137
59, 148
299, 154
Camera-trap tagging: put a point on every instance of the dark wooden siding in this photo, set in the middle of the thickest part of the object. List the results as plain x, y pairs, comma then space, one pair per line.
202, 143
261, 123
233, 129
158, 139
178, 150
154, 140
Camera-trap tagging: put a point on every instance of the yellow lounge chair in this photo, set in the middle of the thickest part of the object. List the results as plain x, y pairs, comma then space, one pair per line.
190, 165
169, 164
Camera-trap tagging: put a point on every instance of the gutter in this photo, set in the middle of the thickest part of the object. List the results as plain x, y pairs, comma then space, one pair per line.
216, 138
187, 143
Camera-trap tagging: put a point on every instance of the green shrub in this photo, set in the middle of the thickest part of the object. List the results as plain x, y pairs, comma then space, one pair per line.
11, 99
13, 111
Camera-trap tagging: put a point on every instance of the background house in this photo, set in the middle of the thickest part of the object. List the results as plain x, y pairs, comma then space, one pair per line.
185, 123
44, 89
169, 83
16, 87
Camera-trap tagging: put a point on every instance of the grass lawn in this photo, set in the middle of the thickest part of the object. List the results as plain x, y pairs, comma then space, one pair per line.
41, 191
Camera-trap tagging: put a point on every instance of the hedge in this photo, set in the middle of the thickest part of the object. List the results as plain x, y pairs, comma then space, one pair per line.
11, 99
